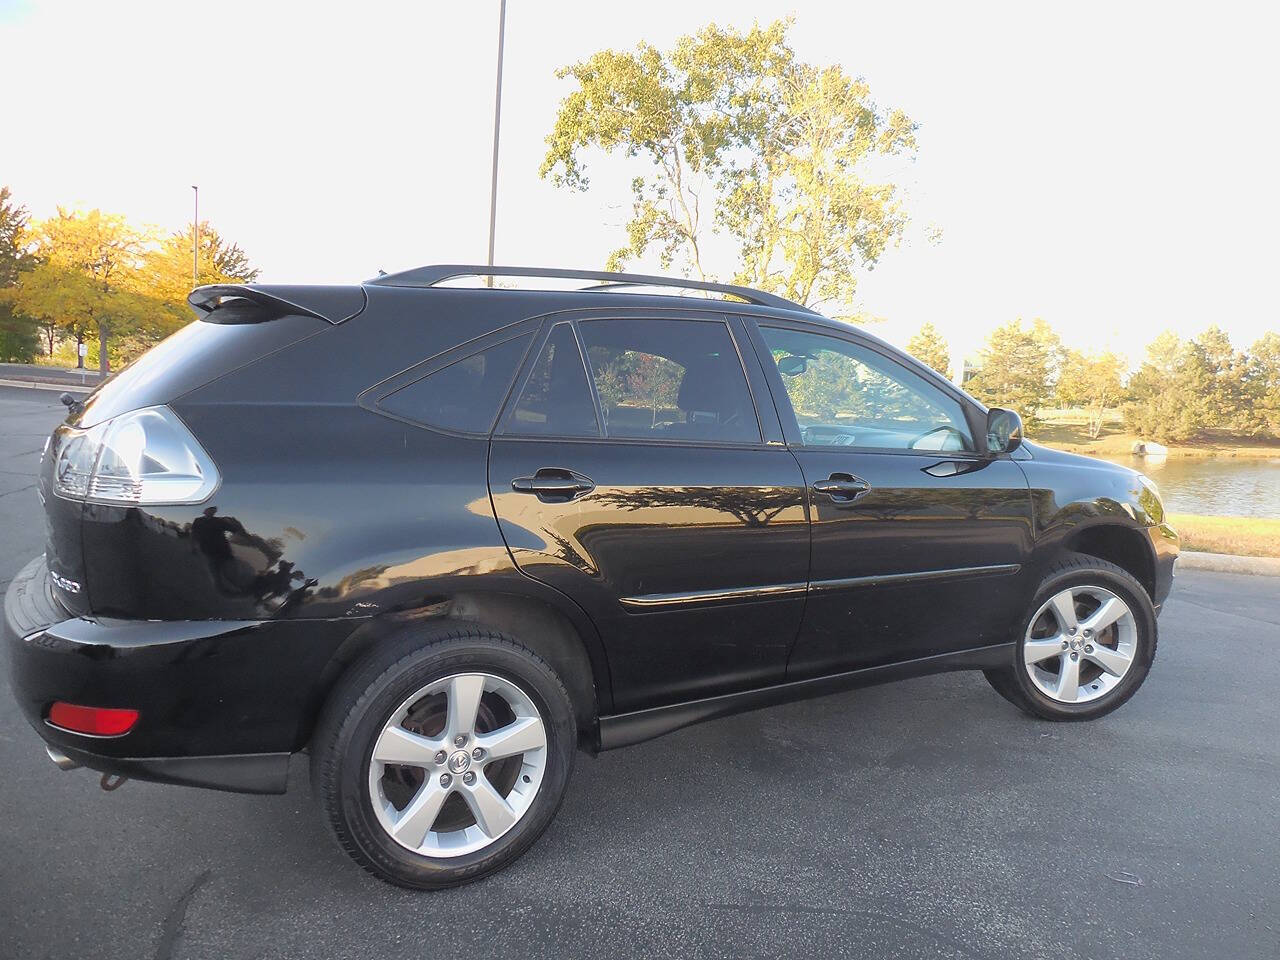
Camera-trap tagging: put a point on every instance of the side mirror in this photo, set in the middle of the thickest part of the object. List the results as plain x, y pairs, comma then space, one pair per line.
792, 366
1004, 431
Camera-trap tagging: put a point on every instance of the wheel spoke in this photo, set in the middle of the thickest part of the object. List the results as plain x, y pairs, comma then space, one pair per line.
1034, 651
1064, 608
398, 745
1111, 610
1113, 661
411, 826
1068, 680
493, 814
464, 700
525, 733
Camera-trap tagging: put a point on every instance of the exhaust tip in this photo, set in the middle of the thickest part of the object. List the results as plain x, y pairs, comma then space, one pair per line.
60, 759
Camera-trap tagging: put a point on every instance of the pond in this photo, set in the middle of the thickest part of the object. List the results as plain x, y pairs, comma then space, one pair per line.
1219, 486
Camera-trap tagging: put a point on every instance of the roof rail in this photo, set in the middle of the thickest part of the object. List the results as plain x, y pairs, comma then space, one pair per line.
433, 274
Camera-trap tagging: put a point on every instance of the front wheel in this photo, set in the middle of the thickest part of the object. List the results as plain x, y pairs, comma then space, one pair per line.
1086, 644
444, 756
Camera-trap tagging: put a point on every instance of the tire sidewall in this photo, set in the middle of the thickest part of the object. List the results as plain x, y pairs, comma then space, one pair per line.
1132, 593
386, 692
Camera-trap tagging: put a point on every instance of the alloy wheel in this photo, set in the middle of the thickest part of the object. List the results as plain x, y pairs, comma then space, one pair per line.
457, 764
1080, 644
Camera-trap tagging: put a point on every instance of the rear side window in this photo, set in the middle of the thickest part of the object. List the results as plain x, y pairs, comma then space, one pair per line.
556, 399
670, 380
465, 395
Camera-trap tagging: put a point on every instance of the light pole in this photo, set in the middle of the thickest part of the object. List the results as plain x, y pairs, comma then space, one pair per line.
497, 121
195, 241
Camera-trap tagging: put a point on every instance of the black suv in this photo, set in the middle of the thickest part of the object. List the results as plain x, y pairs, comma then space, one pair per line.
443, 537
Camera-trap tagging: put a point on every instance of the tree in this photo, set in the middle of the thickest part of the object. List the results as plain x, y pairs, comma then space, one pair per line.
88, 277
1170, 392
1228, 405
931, 349
1262, 381
18, 337
740, 136
167, 269
1018, 368
1094, 381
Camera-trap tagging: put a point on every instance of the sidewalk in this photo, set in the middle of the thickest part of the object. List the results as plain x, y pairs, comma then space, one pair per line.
60, 378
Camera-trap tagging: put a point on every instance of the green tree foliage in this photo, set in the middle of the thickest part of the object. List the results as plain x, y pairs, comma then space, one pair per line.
1262, 382
1170, 391
929, 347
1094, 381
1018, 368
19, 337
739, 135
1225, 369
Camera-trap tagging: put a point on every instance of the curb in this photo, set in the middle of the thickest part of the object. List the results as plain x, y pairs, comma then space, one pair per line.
49, 385
1227, 563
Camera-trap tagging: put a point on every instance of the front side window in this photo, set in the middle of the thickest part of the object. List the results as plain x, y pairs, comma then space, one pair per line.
670, 380
465, 395
847, 395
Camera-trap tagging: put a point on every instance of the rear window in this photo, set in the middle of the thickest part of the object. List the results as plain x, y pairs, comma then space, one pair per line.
465, 395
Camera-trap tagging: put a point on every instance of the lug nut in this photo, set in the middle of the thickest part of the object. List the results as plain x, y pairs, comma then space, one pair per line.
477, 754
445, 779
1065, 644
469, 777
460, 740
1088, 648
1075, 656
440, 756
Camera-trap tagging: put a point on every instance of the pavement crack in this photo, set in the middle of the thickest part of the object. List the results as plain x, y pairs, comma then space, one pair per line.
171, 927
9, 493
1229, 613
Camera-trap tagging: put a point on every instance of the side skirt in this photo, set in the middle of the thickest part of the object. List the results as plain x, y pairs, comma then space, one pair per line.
625, 729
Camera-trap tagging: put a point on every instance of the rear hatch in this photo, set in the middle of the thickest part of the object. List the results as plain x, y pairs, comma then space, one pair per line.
237, 325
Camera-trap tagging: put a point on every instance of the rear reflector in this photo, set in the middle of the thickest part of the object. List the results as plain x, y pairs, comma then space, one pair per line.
98, 721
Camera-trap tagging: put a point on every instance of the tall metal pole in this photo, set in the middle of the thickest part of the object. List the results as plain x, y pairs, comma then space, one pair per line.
497, 122
195, 241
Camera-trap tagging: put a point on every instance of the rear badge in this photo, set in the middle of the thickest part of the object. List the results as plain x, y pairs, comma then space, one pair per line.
68, 585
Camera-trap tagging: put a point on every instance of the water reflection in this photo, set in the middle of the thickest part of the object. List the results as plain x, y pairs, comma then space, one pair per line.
1219, 486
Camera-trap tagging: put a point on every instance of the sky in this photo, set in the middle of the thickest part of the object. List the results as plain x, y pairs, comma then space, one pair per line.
1111, 168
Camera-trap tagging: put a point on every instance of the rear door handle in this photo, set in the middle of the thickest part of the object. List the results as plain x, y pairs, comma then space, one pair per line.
554, 485
842, 488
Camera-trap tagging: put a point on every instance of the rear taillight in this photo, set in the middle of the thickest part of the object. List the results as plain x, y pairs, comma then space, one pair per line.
143, 457
96, 721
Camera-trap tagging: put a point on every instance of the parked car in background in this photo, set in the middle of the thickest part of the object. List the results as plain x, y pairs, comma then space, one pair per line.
444, 538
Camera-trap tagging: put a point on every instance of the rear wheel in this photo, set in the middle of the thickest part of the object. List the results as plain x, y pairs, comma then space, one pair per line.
1086, 644
444, 757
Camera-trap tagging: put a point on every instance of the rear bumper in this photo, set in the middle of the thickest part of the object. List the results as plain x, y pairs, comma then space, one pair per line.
222, 703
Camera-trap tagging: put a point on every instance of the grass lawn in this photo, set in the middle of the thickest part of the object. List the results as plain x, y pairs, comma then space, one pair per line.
1242, 536
1072, 436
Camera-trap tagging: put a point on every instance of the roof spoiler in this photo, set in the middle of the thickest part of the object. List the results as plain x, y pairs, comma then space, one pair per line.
331, 304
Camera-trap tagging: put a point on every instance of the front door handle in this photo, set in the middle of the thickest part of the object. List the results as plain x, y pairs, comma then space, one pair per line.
842, 488
554, 485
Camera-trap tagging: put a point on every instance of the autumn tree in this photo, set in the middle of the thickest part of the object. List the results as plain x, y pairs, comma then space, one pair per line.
167, 271
18, 337
734, 133
1018, 368
88, 278
929, 347
1093, 381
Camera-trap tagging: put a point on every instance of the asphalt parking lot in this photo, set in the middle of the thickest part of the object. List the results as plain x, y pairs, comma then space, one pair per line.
922, 819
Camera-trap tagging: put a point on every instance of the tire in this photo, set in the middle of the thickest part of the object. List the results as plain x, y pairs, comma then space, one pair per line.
426, 672
1099, 691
